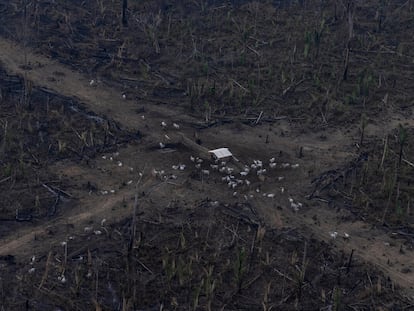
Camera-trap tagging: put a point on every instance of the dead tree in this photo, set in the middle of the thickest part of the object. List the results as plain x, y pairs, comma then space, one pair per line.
124, 13
350, 13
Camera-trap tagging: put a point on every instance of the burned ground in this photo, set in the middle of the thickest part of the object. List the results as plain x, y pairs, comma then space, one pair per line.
108, 200
203, 257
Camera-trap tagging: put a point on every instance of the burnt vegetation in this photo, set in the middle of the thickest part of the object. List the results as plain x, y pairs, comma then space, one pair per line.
212, 259
318, 64
319, 61
39, 128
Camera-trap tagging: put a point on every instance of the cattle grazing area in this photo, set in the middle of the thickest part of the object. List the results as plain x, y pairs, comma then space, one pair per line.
206, 155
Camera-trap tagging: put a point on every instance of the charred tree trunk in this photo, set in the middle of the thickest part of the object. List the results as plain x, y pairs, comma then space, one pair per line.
350, 12
124, 13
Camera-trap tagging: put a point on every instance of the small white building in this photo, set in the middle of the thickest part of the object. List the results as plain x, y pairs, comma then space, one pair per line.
221, 154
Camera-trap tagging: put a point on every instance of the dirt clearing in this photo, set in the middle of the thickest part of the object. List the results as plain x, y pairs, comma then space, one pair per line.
110, 201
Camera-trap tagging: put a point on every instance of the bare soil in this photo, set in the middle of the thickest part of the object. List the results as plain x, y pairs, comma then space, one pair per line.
95, 214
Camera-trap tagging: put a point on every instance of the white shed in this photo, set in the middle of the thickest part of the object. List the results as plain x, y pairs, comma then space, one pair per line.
221, 153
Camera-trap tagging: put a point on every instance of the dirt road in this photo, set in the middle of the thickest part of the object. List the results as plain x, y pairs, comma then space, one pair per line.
370, 245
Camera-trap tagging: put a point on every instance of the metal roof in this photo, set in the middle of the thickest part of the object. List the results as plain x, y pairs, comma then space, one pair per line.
221, 153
